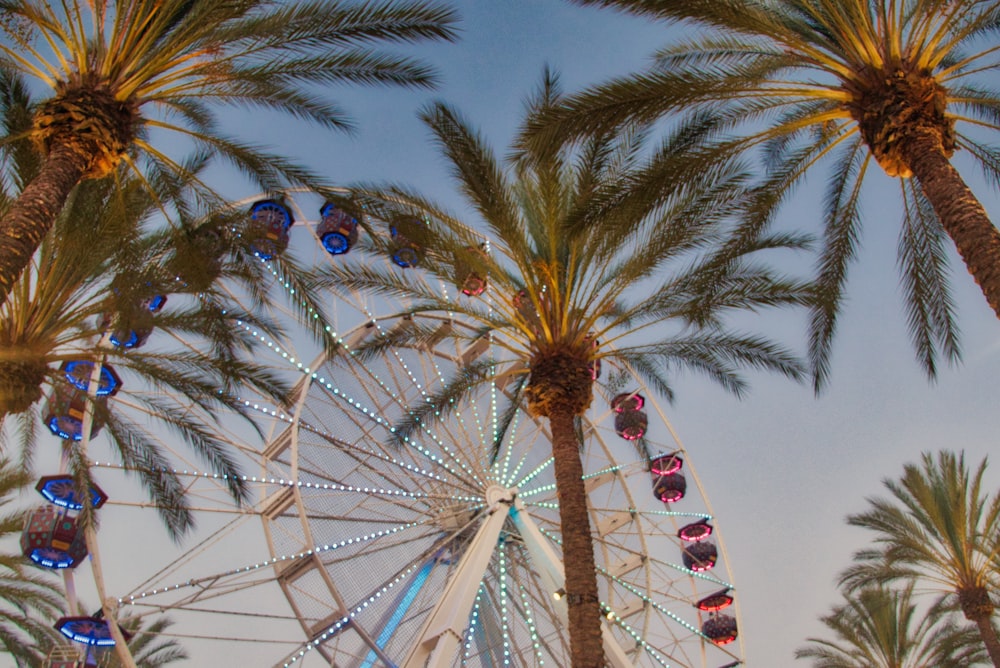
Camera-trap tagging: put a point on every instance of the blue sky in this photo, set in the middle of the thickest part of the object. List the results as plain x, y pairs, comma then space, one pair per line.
782, 467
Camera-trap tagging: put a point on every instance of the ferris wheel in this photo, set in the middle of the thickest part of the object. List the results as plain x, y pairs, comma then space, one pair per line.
447, 550
443, 551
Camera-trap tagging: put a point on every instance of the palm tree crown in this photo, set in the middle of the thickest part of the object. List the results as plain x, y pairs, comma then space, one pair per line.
118, 72
586, 257
840, 82
940, 528
102, 258
882, 628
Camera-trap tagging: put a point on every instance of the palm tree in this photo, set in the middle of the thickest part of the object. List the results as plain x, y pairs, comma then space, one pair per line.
882, 628
120, 71
149, 649
29, 601
146, 646
905, 82
84, 272
592, 257
940, 529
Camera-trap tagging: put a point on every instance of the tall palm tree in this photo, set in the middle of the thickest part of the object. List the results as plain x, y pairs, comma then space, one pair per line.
29, 601
883, 628
839, 82
84, 272
120, 71
600, 255
939, 528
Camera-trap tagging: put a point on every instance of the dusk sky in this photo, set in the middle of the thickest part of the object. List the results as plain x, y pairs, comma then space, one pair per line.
782, 467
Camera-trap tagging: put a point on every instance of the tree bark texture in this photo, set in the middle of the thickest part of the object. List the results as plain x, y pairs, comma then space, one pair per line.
989, 635
583, 604
33, 213
961, 214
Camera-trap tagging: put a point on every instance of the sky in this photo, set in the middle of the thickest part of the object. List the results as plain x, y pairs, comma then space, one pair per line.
781, 467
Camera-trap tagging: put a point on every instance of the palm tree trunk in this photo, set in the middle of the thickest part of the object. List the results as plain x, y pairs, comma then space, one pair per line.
32, 214
961, 214
989, 636
586, 646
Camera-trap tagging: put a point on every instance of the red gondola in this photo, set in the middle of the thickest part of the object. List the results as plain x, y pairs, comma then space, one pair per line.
670, 488
665, 465
714, 602
630, 420
669, 484
631, 425
467, 279
628, 401
720, 629
700, 556
695, 532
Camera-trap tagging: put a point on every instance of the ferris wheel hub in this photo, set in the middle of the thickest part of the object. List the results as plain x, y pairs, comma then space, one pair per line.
496, 494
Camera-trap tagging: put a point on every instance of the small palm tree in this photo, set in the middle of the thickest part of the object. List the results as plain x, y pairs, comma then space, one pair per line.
121, 71
147, 645
940, 528
592, 256
840, 82
29, 601
882, 628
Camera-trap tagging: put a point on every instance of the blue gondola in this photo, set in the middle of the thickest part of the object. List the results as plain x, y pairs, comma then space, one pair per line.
137, 335
405, 249
337, 229
64, 410
269, 224
52, 538
60, 490
78, 373
93, 631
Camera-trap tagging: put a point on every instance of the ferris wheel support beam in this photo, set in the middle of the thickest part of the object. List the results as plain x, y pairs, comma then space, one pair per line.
442, 632
109, 605
550, 569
